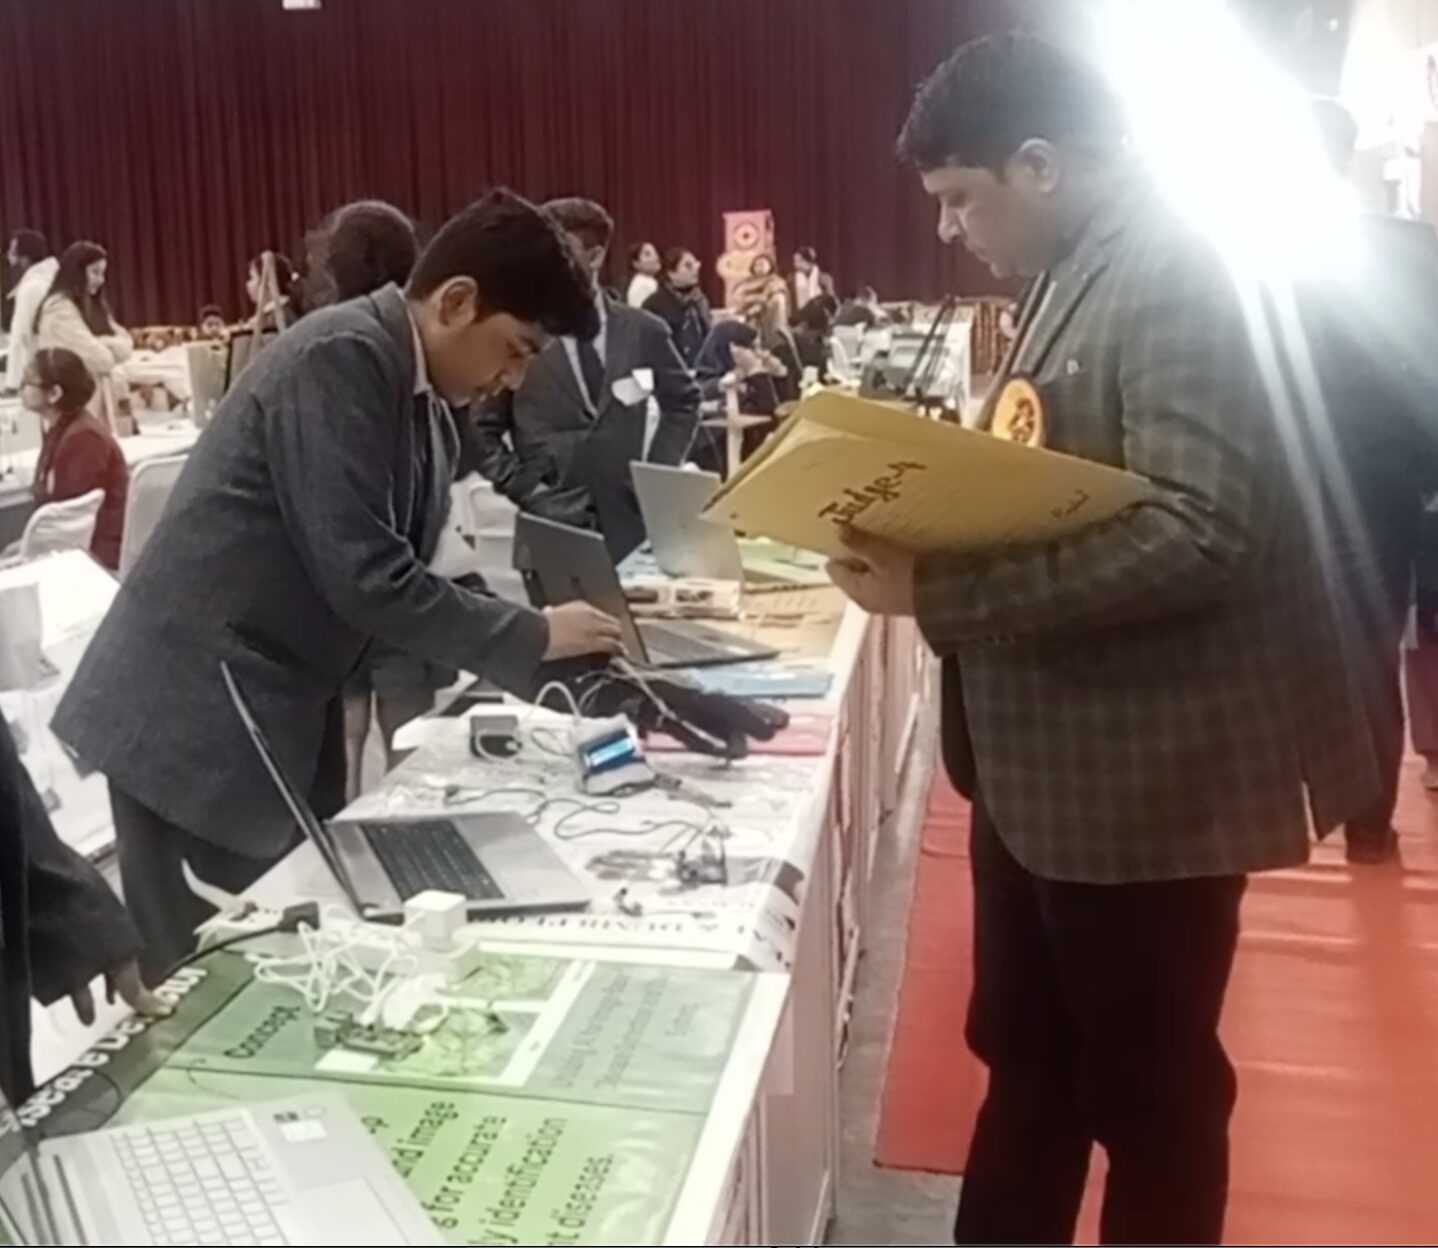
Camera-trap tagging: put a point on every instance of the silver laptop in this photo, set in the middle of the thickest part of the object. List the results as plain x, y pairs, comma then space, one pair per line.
685, 544
497, 861
574, 564
295, 1172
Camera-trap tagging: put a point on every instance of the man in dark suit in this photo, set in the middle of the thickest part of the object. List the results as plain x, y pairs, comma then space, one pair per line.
562, 444
1143, 712
298, 534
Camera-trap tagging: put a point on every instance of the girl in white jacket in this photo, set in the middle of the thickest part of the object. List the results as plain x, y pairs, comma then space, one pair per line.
76, 317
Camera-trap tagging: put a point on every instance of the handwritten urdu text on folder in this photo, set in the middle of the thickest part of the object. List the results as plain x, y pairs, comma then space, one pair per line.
925, 484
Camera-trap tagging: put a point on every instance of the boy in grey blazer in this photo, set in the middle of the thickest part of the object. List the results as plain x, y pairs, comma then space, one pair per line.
1143, 712
298, 534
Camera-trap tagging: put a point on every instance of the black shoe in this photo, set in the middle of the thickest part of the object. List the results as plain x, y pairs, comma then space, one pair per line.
1371, 849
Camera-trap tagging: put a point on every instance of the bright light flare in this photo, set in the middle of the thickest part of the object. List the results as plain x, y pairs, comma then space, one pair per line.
1228, 138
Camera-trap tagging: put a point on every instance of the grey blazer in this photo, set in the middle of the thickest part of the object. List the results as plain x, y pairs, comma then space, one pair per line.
1155, 697
297, 534
549, 453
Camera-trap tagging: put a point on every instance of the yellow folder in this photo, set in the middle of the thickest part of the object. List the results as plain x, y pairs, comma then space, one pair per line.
925, 484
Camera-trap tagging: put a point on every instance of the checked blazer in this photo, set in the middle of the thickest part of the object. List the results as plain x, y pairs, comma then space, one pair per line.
1162, 696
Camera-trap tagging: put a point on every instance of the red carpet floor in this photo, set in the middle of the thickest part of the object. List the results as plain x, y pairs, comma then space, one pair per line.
1332, 1020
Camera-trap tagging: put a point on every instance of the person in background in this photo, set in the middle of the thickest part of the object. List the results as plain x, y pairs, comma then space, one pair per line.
813, 325
862, 311
645, 266
78, 453
61, 927
561, 445
1371, 342
33, 270
300, 532
361, 248
275, 307
778, 343
808, 277
733, 368
212, 323
75, 315
1142, 712
681, 304
761, 290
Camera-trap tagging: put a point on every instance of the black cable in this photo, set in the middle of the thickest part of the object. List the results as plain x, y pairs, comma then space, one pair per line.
305, 914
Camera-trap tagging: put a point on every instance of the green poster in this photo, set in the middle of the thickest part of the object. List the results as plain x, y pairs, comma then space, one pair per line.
597, 1033
493, 1169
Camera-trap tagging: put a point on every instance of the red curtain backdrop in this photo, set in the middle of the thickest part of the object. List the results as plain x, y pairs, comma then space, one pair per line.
187, 135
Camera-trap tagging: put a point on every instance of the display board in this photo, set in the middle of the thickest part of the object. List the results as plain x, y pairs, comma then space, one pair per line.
560, 1104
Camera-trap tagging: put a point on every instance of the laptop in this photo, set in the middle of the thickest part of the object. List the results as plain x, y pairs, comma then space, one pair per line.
572, 564
497, 861
294, 1172
684, 543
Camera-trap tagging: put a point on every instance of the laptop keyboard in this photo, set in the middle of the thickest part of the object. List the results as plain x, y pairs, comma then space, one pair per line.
422, 856
209, 1183
686, 645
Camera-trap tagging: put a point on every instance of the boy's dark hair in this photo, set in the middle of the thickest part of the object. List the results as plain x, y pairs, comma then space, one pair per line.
58, 368
588, 221
209, 310
995, 94
810, 255
30, 245
366, 246
519, 260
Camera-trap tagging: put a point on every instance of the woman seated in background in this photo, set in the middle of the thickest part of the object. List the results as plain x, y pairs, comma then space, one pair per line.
761, 289
732, 363
644, 269
76, 317
680, 303
78, 453
270, 283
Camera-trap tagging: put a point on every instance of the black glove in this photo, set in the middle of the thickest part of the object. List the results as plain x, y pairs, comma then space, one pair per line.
706, 723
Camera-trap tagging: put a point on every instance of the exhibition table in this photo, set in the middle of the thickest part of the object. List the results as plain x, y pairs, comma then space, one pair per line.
667, 1069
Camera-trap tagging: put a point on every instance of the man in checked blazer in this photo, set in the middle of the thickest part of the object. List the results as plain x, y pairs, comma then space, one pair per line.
1144, 712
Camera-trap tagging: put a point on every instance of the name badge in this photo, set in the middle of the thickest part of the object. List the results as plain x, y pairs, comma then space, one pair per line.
1019, 414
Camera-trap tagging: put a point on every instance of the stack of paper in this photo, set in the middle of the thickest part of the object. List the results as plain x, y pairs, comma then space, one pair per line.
927, 485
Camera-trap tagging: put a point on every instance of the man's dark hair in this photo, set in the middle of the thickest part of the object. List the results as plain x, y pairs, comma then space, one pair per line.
995, 94
30, 246
520, 261
588, 221
675, 256
810, 255
209, 310
366, 246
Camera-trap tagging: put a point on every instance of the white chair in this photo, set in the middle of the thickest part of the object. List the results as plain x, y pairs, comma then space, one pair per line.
62, 526
845, 344
150, 487
205, 364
